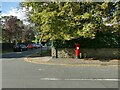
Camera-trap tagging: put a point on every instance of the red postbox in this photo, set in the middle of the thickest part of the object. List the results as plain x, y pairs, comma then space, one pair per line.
77, 50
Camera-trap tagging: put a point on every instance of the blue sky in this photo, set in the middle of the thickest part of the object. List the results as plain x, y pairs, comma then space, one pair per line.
13, 8
7, 6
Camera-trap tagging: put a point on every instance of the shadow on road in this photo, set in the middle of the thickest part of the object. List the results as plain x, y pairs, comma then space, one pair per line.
19, 54
40, 52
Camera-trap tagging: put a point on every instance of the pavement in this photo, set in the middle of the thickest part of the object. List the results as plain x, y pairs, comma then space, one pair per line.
71, 61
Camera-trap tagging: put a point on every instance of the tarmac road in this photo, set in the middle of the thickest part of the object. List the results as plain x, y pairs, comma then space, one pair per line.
20, 54
16, 73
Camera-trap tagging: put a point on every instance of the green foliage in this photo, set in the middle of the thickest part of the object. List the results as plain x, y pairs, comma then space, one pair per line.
69, 20
102, 40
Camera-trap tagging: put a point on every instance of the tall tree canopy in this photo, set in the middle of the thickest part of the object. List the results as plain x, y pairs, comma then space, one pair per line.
13, 29
68, 20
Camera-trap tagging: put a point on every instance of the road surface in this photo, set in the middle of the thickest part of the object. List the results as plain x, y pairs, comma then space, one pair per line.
17, 73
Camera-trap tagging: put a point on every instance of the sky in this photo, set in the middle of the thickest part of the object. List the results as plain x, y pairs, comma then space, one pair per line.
13, 8
7, 6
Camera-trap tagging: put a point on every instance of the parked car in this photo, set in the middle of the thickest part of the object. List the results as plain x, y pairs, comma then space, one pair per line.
34, 45
45, 45
20, 47
37, 45
30, 46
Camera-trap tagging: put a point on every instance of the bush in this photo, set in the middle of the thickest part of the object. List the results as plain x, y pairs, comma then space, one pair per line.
102, 40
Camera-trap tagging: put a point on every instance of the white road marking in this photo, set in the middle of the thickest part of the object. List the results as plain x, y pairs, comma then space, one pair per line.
47, 79
40, 69
19, 52
94, 79
50, 79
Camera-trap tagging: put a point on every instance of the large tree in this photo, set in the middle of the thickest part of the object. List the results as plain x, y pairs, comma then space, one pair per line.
14, 30
28, 34
68, 20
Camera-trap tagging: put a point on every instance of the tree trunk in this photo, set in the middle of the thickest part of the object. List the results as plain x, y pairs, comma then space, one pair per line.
40, 45
9, 40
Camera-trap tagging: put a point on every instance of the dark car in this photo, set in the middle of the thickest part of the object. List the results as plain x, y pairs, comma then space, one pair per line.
20, 47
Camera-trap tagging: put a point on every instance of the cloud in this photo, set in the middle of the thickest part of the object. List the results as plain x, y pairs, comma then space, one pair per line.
20, 13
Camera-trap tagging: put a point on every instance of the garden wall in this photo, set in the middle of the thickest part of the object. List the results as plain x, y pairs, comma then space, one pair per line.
104, 53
